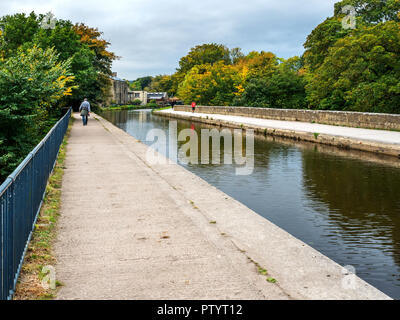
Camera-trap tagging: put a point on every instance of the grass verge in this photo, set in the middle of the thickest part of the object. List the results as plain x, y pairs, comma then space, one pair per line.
164, 108
124, 107
40, 249
134, 107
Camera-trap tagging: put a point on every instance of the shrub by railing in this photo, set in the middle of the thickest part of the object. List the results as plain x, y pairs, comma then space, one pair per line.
21, 197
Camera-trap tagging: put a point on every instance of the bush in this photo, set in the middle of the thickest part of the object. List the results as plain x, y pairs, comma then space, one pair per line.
152, 105
136, 102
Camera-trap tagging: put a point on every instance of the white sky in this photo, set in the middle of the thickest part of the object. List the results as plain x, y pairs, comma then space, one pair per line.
152, 35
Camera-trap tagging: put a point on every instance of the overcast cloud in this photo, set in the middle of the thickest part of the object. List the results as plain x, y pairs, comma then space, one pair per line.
152, 35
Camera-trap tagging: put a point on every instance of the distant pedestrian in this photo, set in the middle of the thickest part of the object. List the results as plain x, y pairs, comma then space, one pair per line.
193, 106
85, 111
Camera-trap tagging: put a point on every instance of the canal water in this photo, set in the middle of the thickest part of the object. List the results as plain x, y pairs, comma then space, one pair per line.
342, 203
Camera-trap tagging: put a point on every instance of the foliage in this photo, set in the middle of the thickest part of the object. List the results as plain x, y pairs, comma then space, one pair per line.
31, 82
141, 83
161, 83
258, 64
91, 63
372, 11
136, 102
236, 54
199, 55
325, 35
210, 84
176, 80
123, 107
361, 72
91, 60
102, 62
18, 30
204, 54
162, 108
259, 79
320, 40
42, 71
284, 88
151, 105
91, 37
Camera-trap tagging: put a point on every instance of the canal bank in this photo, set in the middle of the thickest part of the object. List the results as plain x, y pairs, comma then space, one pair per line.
383, 142
134, 230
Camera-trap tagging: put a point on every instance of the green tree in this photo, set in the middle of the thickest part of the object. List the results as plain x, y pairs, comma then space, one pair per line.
18, 30
361, 72
259, 64
141, 83
204, 54
31, 83
161, 83
236, 54
325, 35
371, 11
42, 70
284, 88
320, 40
176, 79
210, 84
91, 60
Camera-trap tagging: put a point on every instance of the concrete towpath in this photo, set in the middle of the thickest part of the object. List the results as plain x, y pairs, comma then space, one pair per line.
379, 141
384, 136
131, 230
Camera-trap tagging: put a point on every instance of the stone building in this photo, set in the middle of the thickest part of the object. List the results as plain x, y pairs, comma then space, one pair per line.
120, 92
140, 95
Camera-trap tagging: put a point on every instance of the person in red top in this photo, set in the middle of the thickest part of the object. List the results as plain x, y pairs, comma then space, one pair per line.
193, 106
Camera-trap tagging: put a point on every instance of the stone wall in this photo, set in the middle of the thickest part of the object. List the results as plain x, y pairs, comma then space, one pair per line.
341, 118
119, 92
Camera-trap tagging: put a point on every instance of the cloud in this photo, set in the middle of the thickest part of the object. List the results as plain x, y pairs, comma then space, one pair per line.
152, 35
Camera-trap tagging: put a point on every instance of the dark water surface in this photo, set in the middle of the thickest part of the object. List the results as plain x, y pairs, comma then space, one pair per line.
342, 203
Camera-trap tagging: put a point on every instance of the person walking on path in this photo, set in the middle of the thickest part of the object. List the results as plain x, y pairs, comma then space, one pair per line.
85, 111
193, 106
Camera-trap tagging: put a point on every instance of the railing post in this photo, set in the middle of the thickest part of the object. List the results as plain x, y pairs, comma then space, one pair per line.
10, 253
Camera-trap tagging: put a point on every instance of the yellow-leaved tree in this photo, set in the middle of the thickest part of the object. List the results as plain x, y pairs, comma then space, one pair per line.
209, 84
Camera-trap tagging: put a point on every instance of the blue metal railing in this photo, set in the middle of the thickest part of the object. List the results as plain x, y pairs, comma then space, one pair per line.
21, 197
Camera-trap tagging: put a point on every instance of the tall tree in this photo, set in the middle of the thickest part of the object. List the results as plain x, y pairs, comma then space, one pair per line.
42, 70
210, 84
371, 11
282, 87
323, 37
161, 83
18, 30
91, 59
361, 72
92, 37
141, 83
203, 54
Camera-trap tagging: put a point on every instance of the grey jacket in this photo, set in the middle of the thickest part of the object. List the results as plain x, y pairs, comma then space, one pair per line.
85, 105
